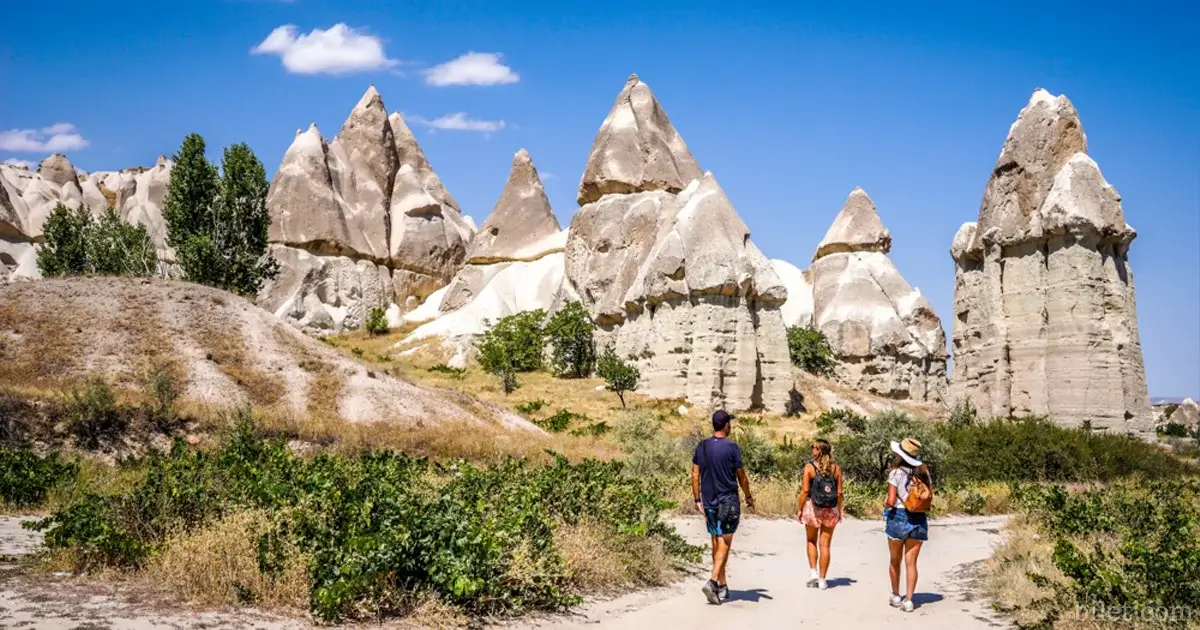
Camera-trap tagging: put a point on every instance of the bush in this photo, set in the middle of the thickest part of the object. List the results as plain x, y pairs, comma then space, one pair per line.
92, 414
834, 419
218, 223
1034, 449
620, 376
572, 348
442, 368
1172, 429
810, 350
377, 323
161, 393
376, 526
78, 243
514, 344
963, 413
532, 406
865, 456
1150, 560
650, 453
26, 478
560, 421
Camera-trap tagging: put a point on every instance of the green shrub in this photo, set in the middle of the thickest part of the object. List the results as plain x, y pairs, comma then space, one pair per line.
532, 406
357, 351
26, 478
378, 525
79, 243
442, 368
514, 344
1152, 560
810, 350
1172, 429
650, 453
963, 413
560, 421
572, 348
161, 393
865, 456
377, 323
621, 376
595, 429
834, 419
1034, 449
92, 414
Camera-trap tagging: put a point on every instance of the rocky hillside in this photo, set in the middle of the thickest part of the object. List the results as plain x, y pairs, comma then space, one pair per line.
225, 351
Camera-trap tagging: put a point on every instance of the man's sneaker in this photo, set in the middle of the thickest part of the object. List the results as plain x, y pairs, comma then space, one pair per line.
710, 591
896, 601
723, 592
822, 584
908, 606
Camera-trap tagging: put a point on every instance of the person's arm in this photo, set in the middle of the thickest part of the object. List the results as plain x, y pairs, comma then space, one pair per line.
804, 490
744, 481
891, 495
841, 496
696, 489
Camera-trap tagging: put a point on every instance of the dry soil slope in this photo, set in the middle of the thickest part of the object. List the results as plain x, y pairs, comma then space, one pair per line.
223, 348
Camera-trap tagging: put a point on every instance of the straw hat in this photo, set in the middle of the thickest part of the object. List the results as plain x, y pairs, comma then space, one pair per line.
908, 449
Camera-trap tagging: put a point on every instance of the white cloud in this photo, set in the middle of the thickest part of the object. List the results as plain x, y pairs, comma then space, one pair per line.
459, 121
338, 50
546, 175
472, 69
56, 138
17, 163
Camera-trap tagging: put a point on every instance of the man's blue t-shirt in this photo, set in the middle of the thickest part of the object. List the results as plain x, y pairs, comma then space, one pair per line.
718, 478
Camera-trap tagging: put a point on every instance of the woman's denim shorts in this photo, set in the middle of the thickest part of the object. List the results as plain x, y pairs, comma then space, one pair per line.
901, 524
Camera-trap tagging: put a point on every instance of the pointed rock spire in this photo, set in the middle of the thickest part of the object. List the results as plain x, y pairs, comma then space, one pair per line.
1046, 134
409, 152
857, 228
304, 207
522, 217
57, 170
637, 149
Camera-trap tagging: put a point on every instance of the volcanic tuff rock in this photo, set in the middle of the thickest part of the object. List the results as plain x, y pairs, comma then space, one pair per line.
884, 333
637, 149
358, 223
27, 198
798, 309
672, 280
1046, 321
521, 228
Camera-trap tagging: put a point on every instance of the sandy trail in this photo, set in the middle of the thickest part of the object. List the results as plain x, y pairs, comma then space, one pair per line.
767, 572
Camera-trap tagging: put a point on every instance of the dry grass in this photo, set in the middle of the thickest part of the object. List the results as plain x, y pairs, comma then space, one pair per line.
218, 565
1023, 550
228, 352
599, 560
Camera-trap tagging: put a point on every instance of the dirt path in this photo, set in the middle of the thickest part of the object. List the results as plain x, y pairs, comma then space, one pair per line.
766, 574
768, 570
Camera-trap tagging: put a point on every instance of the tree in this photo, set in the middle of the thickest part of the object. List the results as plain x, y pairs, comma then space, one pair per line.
218, 223
572, 348
514, 344
377, 323
79, 243
810, 350
620, 376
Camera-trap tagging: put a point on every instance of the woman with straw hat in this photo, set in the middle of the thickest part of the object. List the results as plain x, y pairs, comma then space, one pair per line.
908, 497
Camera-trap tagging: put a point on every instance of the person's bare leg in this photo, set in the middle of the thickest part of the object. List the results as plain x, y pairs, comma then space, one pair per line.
896, 551
714, 553
912, 549
812, 533
826, 540
722, 557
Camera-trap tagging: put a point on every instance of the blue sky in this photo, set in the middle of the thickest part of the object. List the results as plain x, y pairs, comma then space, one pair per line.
790, 105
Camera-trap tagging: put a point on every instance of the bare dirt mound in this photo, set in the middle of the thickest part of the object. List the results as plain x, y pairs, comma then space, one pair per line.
225, 351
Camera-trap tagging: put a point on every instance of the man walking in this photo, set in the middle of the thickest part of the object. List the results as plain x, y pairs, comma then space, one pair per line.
716, 473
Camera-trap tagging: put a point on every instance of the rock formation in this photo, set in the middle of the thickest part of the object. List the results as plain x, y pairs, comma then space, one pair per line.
665, 265
514, 263
1186, 413
798, 309
884, 334
358, 223
27, 198
1046, 321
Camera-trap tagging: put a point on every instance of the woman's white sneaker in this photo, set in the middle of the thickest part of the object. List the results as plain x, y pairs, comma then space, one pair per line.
822, 584
908, 606
896, 601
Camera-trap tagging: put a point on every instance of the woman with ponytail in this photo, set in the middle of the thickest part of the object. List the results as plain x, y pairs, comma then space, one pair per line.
820, 508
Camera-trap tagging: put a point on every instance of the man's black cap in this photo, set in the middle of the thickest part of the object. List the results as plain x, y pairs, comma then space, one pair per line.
721, 419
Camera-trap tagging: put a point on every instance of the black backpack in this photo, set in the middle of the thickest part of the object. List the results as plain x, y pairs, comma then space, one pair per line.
823, 489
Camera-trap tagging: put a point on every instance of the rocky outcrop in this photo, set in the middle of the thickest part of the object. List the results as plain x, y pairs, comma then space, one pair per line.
665, 265
798, 309
1185, 413
358, 223
27, 199
636, 150
1046, 321
884, 333
522, 228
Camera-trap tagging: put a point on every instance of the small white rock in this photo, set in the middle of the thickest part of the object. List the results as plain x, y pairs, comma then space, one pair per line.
682, 410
